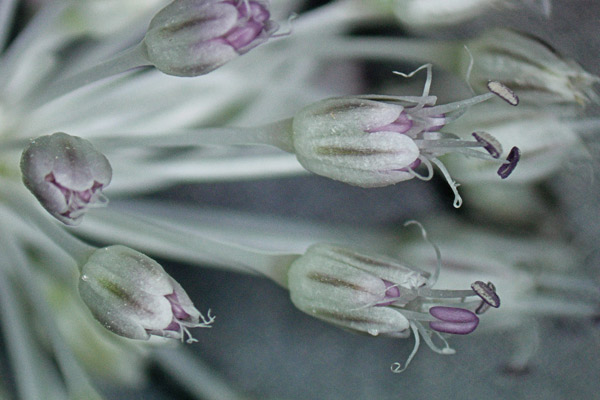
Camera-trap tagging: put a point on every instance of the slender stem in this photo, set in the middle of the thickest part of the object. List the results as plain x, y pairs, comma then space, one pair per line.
7, 13
15, 198
277, 134
125, 61
77, 381
442, 54
28, 364
334, 16
167, 240
142, 176
195, 376
28, 39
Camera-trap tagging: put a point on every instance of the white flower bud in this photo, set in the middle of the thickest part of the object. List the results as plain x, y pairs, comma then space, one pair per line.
133, 296
332, 138
66, 174
528, 66
438, 13
343, 287
432, 14
194, 37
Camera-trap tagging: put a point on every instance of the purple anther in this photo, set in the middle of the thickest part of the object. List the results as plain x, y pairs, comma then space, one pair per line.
402, 124
490, 144
513, 158
487, 293
457, 321
504, 92
392, 293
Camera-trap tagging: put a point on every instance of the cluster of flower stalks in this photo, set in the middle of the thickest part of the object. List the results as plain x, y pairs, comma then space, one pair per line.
114, 99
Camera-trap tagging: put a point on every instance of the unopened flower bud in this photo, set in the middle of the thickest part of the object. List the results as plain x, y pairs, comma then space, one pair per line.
529, 67
133, 296
345, 288
194, 37
66, 174
426, 14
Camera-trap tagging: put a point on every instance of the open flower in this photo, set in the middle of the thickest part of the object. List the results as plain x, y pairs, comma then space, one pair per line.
379, 296
194, 37
133, 296
372, 141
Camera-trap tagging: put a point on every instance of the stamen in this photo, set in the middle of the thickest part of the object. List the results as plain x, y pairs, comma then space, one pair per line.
427, 85
513, 158
438, 267
397, 367
453, 185
457, 321
504, 92
425, 334
487, 292
429, 167
483, 307
490, 144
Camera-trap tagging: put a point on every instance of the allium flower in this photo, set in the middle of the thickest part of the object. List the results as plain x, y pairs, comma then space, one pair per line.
84, 67
379, 296
66, 174
133, 296
372, 141
194, 37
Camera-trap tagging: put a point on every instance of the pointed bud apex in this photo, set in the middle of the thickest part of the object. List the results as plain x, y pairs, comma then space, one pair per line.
194, 37
66, 174
133, 296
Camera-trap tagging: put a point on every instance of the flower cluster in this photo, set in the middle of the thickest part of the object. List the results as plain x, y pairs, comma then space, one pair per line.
93, 105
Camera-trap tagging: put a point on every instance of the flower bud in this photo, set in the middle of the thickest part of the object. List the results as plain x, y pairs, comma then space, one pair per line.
66, 174
425, 14
132, 296
428, 14
194, 37
530, 67
343, 287
331, 138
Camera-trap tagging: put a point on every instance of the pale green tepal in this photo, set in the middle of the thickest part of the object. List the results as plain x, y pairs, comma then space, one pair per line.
132, 296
